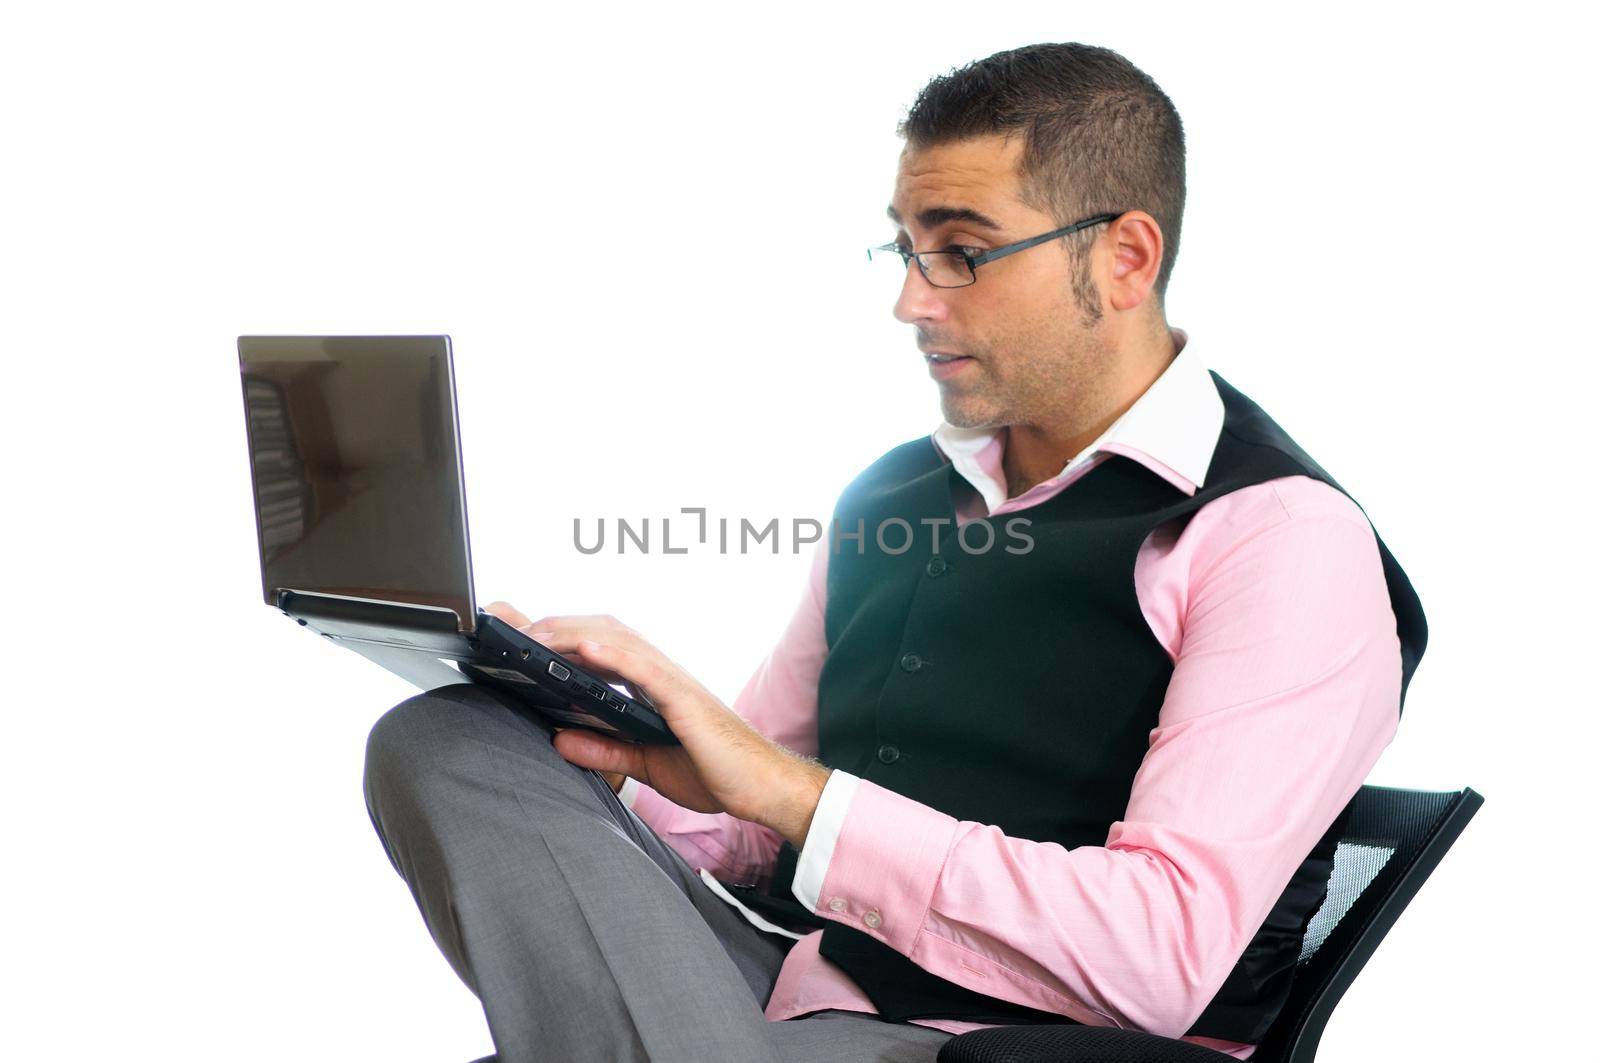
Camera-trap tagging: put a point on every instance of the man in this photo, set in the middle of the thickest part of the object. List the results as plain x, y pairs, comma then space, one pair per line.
1089, 773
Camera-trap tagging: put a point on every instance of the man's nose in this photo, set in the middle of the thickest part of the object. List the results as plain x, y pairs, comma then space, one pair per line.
919, 300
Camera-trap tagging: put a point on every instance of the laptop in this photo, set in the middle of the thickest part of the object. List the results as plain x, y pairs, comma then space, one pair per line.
361, 520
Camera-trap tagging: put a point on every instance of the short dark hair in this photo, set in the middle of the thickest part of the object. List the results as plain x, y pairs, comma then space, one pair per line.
1099, 135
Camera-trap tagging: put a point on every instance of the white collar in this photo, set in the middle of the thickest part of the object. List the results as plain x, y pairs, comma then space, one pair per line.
1171, 429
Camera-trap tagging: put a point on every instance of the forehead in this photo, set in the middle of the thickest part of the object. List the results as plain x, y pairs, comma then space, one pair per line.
980, 174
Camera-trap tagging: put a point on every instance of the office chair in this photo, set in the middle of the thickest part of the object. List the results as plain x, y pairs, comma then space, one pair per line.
1392, 841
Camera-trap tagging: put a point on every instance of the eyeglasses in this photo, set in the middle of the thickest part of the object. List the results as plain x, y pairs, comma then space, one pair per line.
957, 268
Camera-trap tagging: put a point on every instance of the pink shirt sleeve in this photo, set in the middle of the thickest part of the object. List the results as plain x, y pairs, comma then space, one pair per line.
780, 701
1285, 690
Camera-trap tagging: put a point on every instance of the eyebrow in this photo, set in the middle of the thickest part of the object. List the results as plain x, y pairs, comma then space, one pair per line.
933, 217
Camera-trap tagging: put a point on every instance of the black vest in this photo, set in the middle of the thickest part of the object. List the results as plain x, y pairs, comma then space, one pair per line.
1020, 691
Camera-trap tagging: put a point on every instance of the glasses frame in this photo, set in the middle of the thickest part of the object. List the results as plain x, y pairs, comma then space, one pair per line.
974, 261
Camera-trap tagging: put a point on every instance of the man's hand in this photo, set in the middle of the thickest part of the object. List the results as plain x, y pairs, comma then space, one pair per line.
722, 765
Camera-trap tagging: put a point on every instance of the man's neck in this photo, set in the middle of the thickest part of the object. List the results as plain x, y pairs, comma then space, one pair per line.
1035, 452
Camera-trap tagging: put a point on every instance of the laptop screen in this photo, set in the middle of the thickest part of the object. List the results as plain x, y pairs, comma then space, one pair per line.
356, 462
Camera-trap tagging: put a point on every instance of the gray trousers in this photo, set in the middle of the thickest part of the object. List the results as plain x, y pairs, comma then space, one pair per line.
583, 934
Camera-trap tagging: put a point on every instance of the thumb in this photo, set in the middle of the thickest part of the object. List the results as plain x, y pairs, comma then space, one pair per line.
587, 749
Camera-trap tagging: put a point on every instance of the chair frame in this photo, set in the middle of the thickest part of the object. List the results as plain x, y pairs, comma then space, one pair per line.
1294, 1039
1297, 1032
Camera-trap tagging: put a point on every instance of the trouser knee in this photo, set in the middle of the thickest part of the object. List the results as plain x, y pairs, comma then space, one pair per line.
441, 739
439, 728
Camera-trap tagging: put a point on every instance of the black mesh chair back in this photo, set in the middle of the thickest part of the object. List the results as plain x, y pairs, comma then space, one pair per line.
1392, 841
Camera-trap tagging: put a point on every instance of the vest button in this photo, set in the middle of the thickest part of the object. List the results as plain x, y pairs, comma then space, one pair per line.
937, 566
911, 662
888, 754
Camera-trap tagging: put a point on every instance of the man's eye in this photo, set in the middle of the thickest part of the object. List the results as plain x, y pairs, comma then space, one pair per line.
968, 251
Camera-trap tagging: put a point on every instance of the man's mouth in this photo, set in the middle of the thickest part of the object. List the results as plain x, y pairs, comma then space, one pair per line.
942, 364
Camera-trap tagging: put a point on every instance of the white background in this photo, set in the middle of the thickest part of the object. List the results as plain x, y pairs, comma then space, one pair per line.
643, 228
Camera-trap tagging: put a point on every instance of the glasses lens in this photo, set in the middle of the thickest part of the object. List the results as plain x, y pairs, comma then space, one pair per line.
946, 269
943, 269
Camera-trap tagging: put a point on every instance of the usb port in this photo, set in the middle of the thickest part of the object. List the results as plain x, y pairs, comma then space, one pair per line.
615, 699
597, 692
560, 671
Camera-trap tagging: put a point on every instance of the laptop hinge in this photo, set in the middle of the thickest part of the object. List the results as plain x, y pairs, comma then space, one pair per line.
340, 609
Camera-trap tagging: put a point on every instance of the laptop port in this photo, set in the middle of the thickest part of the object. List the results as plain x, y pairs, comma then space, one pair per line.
560, 671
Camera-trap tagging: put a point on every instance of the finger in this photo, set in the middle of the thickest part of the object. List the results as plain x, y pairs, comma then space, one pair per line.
564, 634
605, 675
509, 613
588, 749
540, 628
642, 672
596, 622
560, 641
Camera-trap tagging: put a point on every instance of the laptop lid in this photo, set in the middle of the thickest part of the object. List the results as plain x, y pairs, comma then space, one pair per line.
355, 458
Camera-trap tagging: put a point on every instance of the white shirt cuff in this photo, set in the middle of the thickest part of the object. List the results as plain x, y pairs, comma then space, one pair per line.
629, 791
826, 824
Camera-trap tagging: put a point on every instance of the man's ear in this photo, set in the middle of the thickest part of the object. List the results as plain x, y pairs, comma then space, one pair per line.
1136, 249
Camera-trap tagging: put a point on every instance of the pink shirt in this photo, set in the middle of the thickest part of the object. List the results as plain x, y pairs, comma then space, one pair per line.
1285, 689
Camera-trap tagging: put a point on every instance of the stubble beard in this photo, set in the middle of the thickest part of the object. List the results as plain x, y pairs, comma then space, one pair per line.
1052, 377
